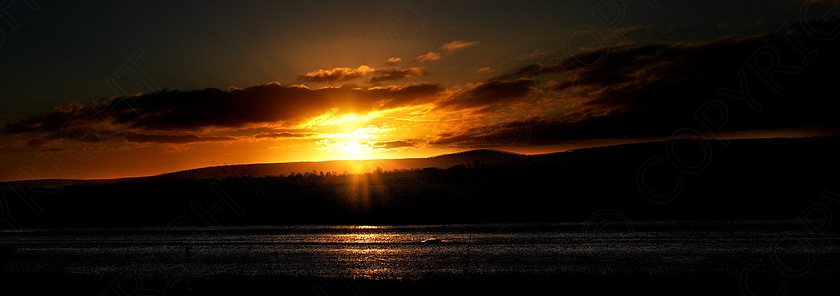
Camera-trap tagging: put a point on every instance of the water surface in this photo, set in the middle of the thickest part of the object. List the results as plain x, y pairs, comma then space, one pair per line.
399, 252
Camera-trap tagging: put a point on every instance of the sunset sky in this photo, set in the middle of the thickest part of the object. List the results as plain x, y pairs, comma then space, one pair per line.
132, 88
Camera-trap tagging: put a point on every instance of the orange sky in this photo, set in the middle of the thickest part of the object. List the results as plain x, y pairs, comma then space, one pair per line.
420, 83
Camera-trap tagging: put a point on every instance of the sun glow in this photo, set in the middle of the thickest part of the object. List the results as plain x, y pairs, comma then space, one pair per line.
353, 149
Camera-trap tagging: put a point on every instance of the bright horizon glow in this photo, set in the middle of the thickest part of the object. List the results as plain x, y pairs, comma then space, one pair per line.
50, 158
353, 149
390, 81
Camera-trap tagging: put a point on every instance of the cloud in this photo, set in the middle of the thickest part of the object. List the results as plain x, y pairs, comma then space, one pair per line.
392, 144
173, 139
396, 74
765, 81
548, 131
281, 135
336, 74
177, 116
757, 82
429, 56
488, 93
457, 44
393, 60
409, 94
344, 74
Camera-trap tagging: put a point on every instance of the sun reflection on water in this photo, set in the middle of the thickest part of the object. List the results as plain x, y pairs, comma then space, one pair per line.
367, 238
369, 252
366, 227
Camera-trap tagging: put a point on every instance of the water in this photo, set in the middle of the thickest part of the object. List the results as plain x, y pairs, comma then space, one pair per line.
398, 252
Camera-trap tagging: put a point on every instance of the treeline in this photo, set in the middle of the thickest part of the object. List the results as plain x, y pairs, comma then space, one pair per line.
678, 180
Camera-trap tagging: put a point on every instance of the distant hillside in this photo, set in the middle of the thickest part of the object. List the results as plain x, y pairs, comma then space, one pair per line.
787, 146
467, 158
677, 180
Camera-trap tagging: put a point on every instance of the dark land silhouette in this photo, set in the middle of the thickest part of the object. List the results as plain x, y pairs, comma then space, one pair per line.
685, 179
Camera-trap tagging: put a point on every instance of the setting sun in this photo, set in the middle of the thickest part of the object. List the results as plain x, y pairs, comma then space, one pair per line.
353, 150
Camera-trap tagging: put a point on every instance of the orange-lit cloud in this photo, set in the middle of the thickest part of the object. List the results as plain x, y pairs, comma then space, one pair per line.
393, 60
457, 44
344, 74
335, 74
429, 56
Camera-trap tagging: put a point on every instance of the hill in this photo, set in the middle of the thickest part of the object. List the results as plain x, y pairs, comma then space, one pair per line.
674, 180
485, 156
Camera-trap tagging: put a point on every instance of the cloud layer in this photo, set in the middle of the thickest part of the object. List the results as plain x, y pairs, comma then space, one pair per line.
766, 81
174, 116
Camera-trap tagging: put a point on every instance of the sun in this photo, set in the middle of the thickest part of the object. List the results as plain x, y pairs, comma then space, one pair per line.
353, 148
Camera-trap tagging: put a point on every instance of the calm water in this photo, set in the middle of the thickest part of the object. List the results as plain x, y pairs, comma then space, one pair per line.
399, 251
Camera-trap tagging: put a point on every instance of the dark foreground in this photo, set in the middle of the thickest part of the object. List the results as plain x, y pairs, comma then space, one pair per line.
604, 256
750, 284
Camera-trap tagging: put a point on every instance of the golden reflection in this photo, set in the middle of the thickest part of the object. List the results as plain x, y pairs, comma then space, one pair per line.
366, 238
365, 251
367, 227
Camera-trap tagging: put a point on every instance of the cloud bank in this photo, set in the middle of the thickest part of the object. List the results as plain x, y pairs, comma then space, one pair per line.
760, 82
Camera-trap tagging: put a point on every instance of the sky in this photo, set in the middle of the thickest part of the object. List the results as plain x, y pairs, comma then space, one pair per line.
108, 89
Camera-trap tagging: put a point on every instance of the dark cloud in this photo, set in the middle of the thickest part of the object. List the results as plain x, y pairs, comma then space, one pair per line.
392, 144
600, 61
59, 118
547, 131
192, 110
488, 93
41, 145
396, 74
36, 143
408, 94
173, 139
769, 81
177, 117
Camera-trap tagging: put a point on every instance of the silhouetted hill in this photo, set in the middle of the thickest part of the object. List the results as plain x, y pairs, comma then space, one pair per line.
485, 156
680, 179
